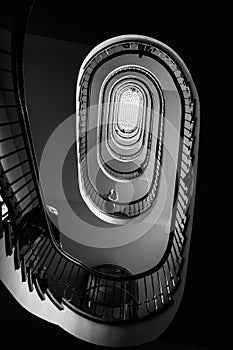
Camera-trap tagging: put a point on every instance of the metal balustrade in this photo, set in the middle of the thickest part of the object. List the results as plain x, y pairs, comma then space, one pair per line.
25, 226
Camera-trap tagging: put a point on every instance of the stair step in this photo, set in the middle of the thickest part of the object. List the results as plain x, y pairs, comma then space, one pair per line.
6, 70
6, 52
12, 136
6, 89
7, 106
4, 27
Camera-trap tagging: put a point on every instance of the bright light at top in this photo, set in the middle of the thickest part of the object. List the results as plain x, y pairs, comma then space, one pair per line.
129, 109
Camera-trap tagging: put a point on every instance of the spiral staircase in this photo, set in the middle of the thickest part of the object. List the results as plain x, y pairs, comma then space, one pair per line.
104, 305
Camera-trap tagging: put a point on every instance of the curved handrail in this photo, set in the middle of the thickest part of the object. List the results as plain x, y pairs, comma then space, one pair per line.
18, 78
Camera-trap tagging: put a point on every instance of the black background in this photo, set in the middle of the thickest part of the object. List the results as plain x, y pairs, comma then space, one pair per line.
203, 42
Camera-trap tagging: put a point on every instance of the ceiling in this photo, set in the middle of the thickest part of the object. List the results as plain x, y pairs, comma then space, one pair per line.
192, 36
87, 23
